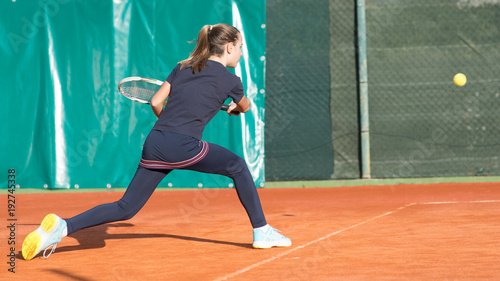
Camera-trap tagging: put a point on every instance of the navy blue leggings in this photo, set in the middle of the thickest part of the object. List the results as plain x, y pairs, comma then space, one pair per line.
163, 152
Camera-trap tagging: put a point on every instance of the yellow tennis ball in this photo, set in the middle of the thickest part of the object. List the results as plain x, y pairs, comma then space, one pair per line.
460, 79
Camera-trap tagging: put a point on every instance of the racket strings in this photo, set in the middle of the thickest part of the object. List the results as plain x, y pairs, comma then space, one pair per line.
139, 90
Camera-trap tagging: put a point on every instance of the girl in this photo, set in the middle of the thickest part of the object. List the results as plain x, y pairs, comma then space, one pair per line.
195, 89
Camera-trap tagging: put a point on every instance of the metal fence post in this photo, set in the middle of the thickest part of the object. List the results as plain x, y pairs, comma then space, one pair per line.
363, 90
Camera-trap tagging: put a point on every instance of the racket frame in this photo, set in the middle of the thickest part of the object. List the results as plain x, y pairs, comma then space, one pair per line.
138, 79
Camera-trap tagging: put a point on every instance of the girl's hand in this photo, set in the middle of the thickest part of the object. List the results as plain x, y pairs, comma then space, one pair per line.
231, 110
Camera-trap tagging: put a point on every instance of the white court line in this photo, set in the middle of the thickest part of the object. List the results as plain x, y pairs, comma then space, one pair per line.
305, 245
236, 273
460, 202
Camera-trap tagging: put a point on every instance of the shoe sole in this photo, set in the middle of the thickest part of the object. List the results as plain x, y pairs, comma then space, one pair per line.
264, 245
33, 242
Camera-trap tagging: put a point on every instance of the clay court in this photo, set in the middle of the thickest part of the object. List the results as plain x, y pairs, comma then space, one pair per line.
368, 152
445, 231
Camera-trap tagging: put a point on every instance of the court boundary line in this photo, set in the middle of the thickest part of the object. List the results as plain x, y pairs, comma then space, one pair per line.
459, 202
290, 184
250, 267
236, 273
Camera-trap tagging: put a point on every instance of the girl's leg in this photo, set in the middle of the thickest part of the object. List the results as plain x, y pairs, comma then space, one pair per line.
220, 160
137, 194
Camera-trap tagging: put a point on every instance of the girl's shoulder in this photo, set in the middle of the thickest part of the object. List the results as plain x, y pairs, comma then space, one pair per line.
221, 69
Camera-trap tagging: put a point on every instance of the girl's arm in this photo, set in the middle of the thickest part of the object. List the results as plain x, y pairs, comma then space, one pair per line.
159, 98
241, 107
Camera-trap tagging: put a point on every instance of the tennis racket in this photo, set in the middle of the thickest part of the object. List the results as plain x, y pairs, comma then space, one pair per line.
142, 89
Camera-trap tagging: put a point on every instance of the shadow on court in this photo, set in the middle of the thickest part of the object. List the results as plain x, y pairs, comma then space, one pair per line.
95, 237
68, 275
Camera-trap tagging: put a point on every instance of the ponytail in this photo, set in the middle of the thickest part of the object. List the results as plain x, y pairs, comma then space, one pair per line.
211, 41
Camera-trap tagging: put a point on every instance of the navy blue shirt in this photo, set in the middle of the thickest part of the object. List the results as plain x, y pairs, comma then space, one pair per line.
195, 98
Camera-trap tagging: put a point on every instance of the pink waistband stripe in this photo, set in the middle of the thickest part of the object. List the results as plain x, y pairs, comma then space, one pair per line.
152, 164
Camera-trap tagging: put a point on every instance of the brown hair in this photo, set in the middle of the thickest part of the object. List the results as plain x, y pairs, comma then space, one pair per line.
212, 40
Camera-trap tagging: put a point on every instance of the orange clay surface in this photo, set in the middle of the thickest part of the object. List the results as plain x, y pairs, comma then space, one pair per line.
400, 232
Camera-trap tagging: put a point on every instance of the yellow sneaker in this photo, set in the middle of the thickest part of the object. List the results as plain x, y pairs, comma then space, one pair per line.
47, 234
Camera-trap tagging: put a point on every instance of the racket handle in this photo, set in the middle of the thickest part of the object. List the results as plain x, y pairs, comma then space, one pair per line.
225, 107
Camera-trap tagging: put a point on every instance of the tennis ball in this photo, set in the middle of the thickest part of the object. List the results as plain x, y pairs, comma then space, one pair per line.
460, 79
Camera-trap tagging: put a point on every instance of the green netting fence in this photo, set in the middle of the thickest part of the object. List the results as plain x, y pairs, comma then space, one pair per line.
421, 124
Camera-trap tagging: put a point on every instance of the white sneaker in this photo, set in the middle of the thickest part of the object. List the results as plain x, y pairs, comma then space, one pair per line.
270, 238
